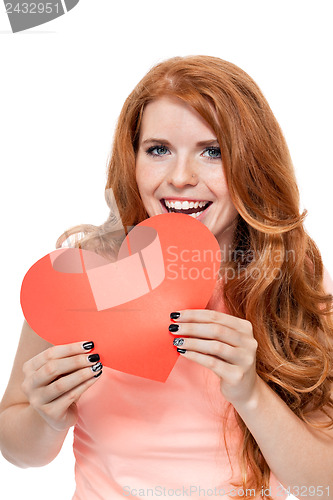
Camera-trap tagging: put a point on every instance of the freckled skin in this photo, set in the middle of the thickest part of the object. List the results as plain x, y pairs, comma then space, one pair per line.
169, 172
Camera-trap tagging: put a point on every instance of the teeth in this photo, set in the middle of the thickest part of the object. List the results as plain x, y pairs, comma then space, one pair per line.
185, 205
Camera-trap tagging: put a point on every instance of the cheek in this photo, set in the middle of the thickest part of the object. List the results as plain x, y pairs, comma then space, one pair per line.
223, 196
221, 190
141, 176
147, 178
219, 186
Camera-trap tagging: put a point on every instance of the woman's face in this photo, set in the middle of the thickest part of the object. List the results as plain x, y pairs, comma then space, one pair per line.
179, 167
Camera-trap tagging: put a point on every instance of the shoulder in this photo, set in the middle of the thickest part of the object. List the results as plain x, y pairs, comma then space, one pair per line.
317, 416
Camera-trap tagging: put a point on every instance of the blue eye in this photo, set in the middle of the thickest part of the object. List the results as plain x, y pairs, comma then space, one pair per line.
161, 150
216, 153
158, 148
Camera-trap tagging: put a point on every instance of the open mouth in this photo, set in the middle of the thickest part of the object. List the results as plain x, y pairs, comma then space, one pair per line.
194, 209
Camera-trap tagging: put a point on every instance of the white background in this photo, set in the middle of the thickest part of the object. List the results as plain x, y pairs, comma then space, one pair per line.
61, 90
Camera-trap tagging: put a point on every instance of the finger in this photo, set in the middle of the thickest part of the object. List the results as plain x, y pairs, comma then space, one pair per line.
215, 348
222, 369
60, 351
212, 316
58, 367
208, 331
57, 409
68, 383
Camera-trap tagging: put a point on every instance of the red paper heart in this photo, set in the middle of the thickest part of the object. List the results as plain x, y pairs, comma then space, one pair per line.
70, 304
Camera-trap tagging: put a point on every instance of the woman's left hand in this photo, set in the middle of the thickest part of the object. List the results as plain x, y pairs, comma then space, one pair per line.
224, 344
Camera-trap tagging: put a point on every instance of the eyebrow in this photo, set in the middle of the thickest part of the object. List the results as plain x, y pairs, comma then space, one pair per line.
210, 142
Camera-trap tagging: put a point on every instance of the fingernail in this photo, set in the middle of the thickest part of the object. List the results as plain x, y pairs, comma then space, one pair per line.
93, 358
181, 351
178, 341
174, 315
88, 346
97, 367
98, 374
173, 328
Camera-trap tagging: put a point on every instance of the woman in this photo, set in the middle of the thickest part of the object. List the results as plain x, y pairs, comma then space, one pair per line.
255, 366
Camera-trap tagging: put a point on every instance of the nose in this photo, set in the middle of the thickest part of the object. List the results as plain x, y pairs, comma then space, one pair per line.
182, 173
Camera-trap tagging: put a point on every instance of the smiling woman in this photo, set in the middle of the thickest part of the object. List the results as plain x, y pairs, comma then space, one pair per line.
197, 136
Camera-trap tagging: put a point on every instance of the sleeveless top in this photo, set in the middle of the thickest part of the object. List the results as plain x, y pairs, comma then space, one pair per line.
138, 438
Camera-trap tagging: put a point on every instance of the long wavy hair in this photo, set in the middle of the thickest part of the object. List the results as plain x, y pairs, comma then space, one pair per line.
283, 297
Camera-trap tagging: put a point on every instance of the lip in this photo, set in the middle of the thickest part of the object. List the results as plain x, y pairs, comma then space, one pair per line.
201, 216
181, 198
164, 208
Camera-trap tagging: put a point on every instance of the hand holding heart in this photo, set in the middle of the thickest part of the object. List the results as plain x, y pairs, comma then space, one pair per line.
131, 336
224, 344
55, 379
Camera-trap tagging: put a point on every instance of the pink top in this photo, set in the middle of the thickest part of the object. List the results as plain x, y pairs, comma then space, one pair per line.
138, 438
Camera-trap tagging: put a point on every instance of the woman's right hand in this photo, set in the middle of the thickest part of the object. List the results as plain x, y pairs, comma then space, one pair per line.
55, 379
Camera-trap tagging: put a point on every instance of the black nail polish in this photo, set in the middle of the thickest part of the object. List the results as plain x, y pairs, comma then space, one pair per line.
182, 351
173, 328
97, 367
178, 341
93, 358
88, 346
98, 374
174, 315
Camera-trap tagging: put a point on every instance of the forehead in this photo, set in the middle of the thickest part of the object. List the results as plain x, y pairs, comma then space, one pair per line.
171, 113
